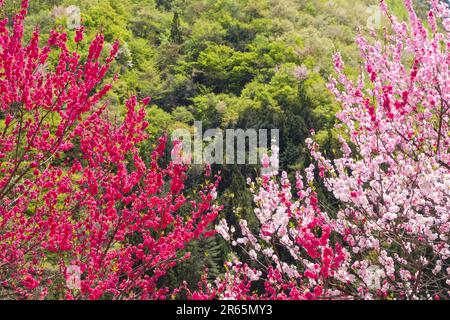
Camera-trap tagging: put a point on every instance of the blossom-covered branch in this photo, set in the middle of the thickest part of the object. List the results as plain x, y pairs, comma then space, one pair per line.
75, 191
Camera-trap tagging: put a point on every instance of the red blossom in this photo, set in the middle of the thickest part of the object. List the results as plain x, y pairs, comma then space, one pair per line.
103, 210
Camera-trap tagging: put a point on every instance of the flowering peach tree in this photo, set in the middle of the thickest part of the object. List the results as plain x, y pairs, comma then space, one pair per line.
389, 237
395, 185
82, 215
294, 255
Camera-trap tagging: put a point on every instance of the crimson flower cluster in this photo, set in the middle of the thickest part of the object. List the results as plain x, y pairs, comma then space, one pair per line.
82, 215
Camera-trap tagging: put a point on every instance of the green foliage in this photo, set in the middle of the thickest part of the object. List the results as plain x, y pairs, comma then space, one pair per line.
207, 257
176, 34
